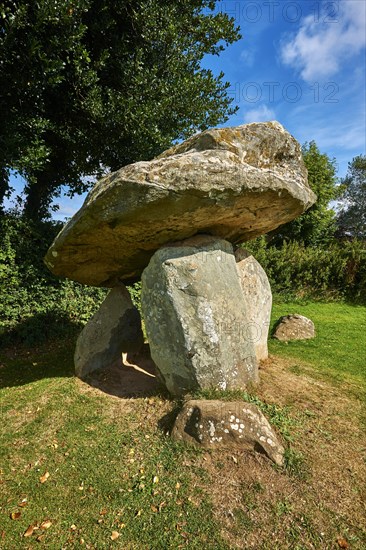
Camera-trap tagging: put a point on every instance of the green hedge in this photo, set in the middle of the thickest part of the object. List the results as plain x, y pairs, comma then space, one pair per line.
337, 272
35, 305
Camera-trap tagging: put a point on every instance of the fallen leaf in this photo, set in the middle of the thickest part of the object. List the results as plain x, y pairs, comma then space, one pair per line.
15, 515
177, 486
138, 513
40, 538
29, 531
73, 527
23, 503
235, 459
46, 524
155, 479
154, 508
103, 512
44, 478
114, 535
342, 543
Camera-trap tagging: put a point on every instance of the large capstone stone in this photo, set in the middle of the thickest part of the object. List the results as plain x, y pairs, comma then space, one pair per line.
195, 317
115, 328
258, 300
233, 183
223, 424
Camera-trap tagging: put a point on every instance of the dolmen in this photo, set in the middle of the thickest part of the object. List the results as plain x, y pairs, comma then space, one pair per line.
176, 223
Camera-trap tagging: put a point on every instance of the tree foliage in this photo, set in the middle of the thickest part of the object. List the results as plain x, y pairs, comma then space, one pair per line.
317, 225
352, 218
90, 85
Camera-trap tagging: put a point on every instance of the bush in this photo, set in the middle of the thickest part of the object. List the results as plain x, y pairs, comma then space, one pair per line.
335, 272
35, 304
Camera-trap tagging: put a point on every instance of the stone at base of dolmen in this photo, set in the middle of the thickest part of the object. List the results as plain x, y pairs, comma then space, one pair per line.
227, 425
258, 298
114, 328
195, 317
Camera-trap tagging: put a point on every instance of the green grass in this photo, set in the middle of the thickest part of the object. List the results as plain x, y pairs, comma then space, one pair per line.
338, 352
111, 468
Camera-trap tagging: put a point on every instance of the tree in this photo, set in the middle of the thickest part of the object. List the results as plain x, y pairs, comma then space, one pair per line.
317, 225
351, 219
91, 85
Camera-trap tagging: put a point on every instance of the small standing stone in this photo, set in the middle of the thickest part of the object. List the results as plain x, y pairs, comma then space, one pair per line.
294, 327
258, 298
113, 329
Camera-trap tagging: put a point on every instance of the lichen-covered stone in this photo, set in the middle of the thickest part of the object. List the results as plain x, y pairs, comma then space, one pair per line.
258, 300
233, 183
222, 424
113, 329
294, 327
195, 317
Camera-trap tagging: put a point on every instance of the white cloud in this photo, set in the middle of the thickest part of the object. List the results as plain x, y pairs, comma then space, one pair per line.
320, 47
259, 114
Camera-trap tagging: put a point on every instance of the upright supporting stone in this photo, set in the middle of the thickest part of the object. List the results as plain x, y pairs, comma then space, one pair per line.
258, 299
115, 328
195, 317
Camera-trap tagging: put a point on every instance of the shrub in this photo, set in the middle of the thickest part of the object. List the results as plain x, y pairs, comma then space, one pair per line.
335, 272
36, 304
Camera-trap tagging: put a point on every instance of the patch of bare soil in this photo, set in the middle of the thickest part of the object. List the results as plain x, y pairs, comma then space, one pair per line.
323, 504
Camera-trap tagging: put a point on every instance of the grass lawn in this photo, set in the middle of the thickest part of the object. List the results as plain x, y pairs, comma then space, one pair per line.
338, 353
86, 469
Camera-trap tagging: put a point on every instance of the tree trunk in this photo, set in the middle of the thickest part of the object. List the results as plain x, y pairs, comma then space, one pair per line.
4, 187
39, 192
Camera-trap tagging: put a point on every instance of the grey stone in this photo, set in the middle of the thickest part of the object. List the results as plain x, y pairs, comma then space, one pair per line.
222, 424
233, 183
258, 300
195, 317
113, 329
294, 327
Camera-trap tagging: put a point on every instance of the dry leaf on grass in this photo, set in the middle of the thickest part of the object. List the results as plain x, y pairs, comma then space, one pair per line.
46, 524
342, 543
29, 531
23, 503
15, 515
44, 478
114, 535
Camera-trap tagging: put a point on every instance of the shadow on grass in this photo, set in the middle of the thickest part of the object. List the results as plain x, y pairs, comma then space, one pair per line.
40, 347
43, 347
134, 376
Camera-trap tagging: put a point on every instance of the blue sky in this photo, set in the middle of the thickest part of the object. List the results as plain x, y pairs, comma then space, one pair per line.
299, 62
